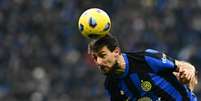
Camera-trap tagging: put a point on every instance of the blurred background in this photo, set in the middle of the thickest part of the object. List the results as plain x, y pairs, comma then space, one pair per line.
43, 57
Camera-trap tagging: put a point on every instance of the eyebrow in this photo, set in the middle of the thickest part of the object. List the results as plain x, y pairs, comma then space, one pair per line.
101, 52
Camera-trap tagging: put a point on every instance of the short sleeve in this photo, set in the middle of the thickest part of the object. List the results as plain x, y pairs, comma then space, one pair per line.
159, 61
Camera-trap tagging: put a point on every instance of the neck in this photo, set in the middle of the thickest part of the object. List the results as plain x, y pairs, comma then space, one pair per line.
119, 67
121, 62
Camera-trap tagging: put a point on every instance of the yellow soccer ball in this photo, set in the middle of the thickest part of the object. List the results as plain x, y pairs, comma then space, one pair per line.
94, 23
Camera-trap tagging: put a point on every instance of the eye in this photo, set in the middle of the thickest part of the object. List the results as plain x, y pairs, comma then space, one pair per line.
102, 55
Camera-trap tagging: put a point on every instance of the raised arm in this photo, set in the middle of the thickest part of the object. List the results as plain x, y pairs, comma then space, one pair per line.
184, 71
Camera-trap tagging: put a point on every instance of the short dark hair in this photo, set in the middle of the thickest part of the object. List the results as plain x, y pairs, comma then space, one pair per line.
109, 41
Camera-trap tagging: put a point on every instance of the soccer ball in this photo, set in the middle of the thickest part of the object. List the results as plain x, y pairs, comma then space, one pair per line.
94, 23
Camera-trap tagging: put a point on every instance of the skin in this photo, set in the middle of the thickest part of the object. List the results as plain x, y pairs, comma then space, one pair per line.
185, 73
106, 59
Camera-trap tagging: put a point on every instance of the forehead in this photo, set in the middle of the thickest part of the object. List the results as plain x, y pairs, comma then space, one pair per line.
101, 51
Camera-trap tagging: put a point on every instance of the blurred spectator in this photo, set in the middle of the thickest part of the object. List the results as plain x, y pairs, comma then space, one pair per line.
43, 56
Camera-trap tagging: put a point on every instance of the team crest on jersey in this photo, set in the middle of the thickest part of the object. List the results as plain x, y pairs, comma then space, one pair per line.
146, 86
144, 99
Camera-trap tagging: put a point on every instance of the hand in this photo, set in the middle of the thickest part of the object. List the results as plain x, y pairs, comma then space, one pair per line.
185, 71
181, 80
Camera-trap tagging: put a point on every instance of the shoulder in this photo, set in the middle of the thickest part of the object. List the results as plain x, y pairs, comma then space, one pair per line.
142, 53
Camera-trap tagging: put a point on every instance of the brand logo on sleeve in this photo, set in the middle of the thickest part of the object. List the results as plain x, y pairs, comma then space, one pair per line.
164, 58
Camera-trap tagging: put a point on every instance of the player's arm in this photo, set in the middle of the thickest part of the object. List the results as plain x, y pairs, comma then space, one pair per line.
186, 73
159, 61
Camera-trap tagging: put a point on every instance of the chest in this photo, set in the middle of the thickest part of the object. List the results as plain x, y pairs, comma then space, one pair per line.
140, 85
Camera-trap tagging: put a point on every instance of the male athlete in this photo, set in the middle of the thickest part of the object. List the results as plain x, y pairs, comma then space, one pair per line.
149, 75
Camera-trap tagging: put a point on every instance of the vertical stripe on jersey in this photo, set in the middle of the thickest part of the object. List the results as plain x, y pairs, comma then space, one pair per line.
166, 86
164, 96
138, 64
131, 86
136, 82
125, 89
176, 84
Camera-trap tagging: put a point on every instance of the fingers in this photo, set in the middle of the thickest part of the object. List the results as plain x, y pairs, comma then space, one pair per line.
185, 70
182, 74
186, 74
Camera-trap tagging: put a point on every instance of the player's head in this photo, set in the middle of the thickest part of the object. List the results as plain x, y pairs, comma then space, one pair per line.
109, 41
105, 52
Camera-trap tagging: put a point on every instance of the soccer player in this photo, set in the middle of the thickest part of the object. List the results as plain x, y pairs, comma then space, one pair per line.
149, 75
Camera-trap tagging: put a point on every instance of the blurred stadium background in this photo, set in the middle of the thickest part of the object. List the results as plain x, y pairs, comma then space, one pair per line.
43, 57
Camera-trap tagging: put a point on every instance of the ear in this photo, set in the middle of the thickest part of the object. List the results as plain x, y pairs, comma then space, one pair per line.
117, 51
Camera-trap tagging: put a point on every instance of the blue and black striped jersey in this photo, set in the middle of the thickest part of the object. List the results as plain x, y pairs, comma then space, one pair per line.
148, 76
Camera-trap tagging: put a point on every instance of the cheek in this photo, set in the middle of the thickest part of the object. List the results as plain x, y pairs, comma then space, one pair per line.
111, 60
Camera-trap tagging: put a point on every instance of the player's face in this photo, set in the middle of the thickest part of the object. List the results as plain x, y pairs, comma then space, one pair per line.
105, 59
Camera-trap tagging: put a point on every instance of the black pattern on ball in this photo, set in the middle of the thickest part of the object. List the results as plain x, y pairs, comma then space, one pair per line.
107, 26
92, 22
81, 27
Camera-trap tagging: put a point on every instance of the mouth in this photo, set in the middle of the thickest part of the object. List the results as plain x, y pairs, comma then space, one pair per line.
115, 70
